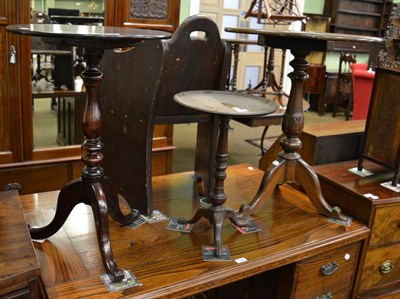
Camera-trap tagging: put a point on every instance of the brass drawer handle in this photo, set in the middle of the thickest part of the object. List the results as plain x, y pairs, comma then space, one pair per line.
327, 296
12, 186
386, 267
329, 269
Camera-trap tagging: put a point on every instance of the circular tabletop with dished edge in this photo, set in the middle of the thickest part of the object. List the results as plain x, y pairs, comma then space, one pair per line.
226, 103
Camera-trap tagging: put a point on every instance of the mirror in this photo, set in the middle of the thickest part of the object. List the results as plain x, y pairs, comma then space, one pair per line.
58, 95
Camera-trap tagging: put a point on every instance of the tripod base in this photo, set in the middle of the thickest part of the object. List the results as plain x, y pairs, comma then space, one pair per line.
216, 216
292, 170
104, 201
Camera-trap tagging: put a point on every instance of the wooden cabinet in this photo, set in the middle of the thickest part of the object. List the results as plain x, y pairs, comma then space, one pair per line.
359, 17
379, 269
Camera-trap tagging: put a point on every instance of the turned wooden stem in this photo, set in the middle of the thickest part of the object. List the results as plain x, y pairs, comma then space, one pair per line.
218, 196
293, 119
92, 121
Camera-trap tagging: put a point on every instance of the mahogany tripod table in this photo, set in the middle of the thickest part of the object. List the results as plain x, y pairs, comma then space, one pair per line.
226, 105
289, 167
92, 188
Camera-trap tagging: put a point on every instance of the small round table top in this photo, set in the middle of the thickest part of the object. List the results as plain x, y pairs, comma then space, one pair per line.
303, 40
105, 37
225, 103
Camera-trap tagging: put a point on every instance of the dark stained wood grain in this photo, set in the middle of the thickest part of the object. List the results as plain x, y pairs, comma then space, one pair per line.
169, 263
374, 259
145, 99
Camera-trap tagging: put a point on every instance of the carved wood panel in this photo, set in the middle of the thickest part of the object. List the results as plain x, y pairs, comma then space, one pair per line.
152, 14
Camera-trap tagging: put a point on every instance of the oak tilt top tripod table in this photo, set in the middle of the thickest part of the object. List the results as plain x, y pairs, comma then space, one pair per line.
289, 167
92, 188
226, 105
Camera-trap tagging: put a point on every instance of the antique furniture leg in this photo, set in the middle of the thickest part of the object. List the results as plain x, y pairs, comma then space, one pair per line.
92, 188
38, 73
289, 167
217, 213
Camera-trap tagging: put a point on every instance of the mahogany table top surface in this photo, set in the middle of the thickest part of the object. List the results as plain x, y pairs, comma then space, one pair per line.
170, 263
106, 37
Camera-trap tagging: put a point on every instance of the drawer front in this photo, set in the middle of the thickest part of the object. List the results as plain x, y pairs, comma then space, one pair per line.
381, 266
327, 274
386, 227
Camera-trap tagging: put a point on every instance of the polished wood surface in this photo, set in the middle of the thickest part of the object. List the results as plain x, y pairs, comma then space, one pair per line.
169, 263
372, 276
336, 178
336, 281
19, 267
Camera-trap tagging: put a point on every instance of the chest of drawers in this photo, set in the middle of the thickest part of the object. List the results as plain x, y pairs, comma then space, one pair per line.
328, 275
379, 271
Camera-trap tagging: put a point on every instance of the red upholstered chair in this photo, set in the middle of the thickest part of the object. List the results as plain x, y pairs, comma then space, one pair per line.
362, 89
